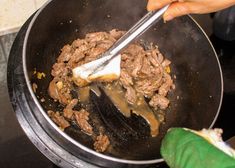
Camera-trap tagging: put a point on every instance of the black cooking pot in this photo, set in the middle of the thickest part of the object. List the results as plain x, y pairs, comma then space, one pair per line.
195, 102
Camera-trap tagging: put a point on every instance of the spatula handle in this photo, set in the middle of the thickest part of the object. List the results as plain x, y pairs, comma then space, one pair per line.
140, 27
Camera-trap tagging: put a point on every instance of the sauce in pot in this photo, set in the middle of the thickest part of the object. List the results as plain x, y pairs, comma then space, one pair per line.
115, 92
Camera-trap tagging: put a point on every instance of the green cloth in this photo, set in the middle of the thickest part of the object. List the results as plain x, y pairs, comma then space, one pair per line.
181, 148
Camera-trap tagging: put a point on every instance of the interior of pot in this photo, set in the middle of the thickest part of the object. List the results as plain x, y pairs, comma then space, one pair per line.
193, 104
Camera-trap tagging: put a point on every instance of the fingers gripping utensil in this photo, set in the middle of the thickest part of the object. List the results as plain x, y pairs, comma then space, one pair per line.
109, 63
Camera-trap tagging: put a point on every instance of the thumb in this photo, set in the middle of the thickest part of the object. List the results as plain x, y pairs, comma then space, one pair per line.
177, 9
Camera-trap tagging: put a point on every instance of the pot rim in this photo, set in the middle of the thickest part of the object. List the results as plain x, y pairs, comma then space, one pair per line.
67, 137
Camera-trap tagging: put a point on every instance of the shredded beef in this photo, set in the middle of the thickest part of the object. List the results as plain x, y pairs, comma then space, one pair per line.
58, 90
101, 143
166, 62
125, 79
137, 65
166, 86
66, 53
130, 95
82, 118
116, 33
159, 101
58, 119
68, 110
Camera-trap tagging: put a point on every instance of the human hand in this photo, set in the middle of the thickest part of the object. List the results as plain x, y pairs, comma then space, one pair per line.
183, 7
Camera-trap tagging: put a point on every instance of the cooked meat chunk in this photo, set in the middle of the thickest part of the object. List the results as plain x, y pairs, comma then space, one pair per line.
68, 110
147, 87
58, 119
166, 62
160, 57
137, 65
159, 101
152, 56
102, 142
144, 72
130, 95
134, 49
82, 118
60, 91
166, 86
76, 59
146, 68
79, 43
60, 70
116, 34
163, 90
66, 53
125, 79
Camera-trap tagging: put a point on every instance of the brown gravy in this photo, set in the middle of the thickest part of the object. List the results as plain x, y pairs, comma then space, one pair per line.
84, 94
141, 108
117, 96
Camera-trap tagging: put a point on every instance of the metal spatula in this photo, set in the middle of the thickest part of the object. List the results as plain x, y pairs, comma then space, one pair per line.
109, 62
